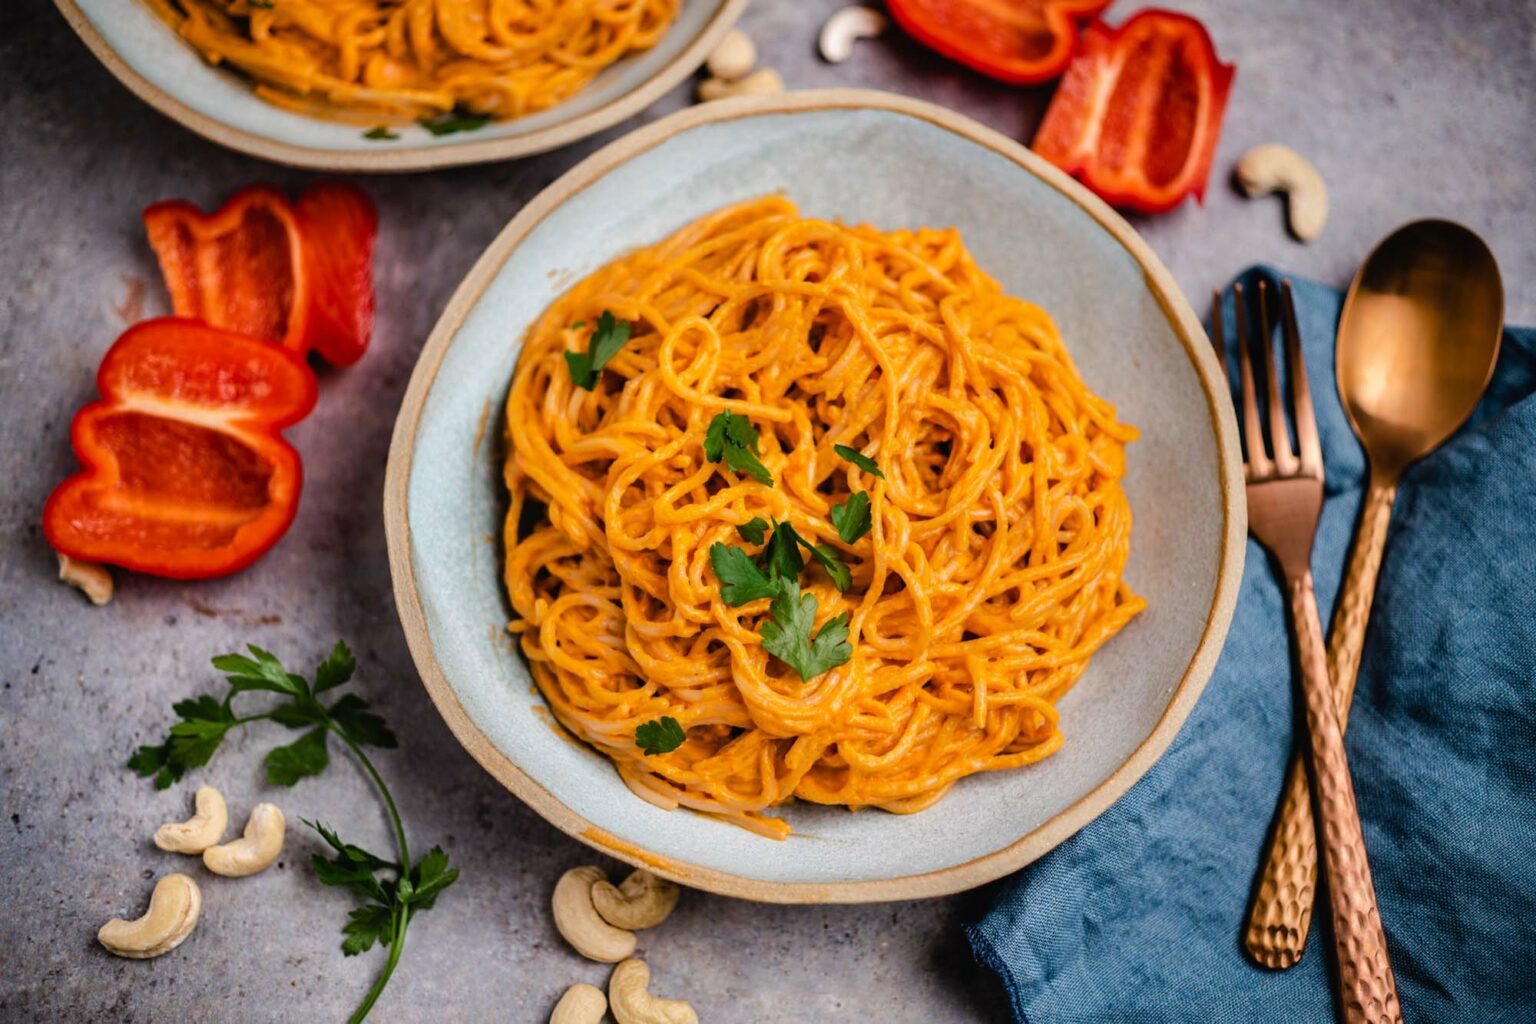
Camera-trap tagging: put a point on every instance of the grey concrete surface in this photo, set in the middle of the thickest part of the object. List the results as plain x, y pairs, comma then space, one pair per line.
1409, 108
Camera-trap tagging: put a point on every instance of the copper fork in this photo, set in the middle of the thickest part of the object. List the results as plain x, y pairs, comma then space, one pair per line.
1285, 496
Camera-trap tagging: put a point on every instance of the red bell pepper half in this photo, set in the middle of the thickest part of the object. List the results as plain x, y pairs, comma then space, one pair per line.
300, 276
1018, 41
185, 474
1138, 113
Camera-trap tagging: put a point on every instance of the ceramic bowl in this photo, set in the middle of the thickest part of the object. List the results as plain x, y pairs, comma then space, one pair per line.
151, 60
893, 162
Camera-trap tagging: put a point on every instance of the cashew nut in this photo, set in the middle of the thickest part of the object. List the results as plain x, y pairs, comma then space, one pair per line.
1276, 168
172, 914
846, 26
198, 832
734, 57
578, 922
255, 850
581, 1004
632, 1003
642, 901
93, 580
763, 80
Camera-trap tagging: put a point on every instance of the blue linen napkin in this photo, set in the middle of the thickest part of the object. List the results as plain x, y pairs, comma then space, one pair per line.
1138, 917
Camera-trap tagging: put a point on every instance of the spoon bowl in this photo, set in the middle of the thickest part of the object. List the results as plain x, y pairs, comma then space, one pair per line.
1418, 339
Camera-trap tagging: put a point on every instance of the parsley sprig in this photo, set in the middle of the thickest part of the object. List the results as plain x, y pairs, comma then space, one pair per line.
610, 335
852, 518
787, 635
391, 899
775, 574
661, 736
733, 439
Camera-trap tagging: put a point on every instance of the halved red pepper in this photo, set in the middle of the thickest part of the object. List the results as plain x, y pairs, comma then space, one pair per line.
184, 472
1138, 114
300, 276
1019, 41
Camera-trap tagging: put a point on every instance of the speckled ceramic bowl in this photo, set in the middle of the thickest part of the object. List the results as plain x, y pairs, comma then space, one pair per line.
162, 70
894, 162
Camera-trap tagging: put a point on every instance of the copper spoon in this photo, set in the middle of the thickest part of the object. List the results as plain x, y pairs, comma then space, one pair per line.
1417, 342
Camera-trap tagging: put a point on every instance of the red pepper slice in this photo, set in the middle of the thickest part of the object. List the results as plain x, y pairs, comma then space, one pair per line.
1138, 114
184, 472
339, 225
1019, 41
302, 277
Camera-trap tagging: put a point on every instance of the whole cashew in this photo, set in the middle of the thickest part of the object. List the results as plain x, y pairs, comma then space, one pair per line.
642, 901
91, 579
172, 914
198, 832
1276, 168
734, 57
578, 922
581, 1004
763, 80
846, 26
255, 850
633, 1003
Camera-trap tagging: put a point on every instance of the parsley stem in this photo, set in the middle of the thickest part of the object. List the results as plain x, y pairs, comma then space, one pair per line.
389, 801
402, 913
402, 918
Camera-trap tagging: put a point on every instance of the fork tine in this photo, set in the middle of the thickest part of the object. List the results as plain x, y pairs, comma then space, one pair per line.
1258, 464
1301, 394
1218, 335
1286, 462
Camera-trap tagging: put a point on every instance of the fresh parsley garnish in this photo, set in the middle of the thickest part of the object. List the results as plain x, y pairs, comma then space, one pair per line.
852, 517
753, 530
859, 459
782, 555
741, 581
733, 439
380, 134
448, 124
390, 899
607, 339
787, 634
661, 736
578, 325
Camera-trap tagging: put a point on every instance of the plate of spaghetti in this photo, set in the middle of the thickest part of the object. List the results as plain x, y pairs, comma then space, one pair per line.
392, 85
809, 529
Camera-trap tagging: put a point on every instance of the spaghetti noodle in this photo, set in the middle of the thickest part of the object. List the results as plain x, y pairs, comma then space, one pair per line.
990, 575
402, 60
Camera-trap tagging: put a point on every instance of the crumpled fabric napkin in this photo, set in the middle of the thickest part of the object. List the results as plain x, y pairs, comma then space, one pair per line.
1138, 918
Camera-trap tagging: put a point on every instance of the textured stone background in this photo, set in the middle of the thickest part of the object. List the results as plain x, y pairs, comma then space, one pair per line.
1409, 109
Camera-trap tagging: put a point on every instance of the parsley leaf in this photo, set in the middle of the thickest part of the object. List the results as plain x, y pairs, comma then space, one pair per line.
782, 555
661, 736
300, 759
787, 635
431, 876
359, 724
733, 439
608, 337
859, 459
381, 133
784, 561
852, 517
753, 530
336, 669
365, 926
741, 581
448, 124
832, 564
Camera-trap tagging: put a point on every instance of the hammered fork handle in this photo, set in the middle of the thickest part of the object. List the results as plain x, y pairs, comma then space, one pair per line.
1282, 906
1366, 986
